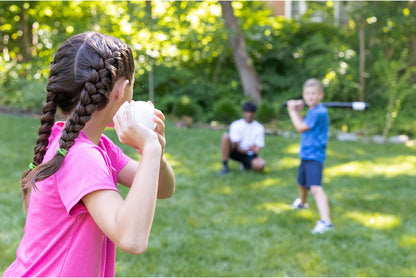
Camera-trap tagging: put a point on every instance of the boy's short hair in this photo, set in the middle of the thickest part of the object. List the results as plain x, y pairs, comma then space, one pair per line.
249, 107
313, 82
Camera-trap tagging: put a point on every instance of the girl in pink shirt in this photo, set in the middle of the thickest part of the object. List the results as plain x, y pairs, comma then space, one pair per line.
76, 216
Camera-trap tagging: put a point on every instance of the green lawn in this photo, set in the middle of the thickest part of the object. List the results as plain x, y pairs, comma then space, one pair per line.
242, 224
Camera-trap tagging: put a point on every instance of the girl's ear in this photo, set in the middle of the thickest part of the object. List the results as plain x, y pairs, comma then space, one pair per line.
119, 89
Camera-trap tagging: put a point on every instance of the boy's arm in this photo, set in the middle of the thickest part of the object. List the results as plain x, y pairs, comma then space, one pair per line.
239, 149
258, 142
294, 107
255, 149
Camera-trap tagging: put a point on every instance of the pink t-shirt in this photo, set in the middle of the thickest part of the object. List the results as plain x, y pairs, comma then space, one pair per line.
60, 237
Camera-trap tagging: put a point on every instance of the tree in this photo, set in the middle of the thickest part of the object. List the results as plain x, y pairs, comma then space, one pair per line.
248, 75
360, 14
361, 67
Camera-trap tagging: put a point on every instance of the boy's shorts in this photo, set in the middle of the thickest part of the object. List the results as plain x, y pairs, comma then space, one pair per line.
243, 158
310, 173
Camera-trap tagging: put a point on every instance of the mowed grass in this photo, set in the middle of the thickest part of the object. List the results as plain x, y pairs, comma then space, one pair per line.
242, 224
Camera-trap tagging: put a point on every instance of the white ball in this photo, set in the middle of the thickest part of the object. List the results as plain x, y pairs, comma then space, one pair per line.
144, 113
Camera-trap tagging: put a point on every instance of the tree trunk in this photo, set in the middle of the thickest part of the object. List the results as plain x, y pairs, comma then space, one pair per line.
148, 9
248, 75
361, 41
25, 40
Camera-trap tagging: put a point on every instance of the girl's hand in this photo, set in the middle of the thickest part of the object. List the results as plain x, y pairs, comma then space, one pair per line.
160, 126
130, 132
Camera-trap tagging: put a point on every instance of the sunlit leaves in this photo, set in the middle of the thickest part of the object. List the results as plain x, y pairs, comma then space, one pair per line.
372, 20
6, 27
190, 37
14, 8
69, 29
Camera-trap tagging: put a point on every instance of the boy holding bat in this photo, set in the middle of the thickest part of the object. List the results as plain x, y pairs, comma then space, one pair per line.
314, 129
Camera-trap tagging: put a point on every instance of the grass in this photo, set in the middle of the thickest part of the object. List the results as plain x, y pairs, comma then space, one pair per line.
242, 224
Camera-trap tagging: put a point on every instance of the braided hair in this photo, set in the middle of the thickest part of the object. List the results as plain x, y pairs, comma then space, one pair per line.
82, 74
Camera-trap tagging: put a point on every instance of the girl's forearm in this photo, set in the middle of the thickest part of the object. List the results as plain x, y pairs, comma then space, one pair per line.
135, 216
166, 180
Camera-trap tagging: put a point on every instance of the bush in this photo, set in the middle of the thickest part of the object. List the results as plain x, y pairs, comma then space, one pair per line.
166, 104
226, 111
266, 112
186, 106
24, 94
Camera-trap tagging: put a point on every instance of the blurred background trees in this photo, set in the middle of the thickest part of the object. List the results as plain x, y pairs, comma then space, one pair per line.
186, 62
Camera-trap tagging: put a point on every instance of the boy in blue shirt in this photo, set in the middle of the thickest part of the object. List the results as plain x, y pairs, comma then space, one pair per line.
314, 129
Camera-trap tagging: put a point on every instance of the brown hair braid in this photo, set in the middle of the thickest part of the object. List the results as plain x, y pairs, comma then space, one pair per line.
83, 73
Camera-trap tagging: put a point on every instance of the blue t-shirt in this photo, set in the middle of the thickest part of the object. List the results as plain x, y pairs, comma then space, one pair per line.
313, 142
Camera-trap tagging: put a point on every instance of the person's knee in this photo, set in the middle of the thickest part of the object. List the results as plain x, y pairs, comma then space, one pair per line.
225, 137
316, 190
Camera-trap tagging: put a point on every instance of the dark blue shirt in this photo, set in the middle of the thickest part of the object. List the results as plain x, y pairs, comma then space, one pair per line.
313, 142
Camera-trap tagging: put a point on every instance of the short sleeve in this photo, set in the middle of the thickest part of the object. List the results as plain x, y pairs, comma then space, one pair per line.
259, 141
117, 157
84, 170
312, 118
235, 134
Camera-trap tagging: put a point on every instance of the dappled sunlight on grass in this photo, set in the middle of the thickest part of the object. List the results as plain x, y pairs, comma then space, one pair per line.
246, 220
411, 271
279, 208
292, 149
407, 240
173, 162
194, 222
306, 213
266, 183
400, 165
215, 166
185, 171
375, 220
288, 162
179, 166
225, 190
367, 197
335, 153
274, 207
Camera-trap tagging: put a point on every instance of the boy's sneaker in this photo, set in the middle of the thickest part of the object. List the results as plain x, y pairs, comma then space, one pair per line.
297, 204
322, 227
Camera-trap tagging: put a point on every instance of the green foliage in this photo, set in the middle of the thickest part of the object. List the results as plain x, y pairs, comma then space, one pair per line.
24, 94
185, 45
226, 110
266, 112
185, 106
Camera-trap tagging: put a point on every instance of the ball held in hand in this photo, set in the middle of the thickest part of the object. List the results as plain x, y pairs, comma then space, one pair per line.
144, 113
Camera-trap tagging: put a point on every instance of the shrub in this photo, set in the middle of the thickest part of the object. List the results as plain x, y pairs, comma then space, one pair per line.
266, 112
226, 110
186, 106
24, 94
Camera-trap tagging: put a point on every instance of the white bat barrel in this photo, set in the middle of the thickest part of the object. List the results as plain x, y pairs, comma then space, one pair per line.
359, 105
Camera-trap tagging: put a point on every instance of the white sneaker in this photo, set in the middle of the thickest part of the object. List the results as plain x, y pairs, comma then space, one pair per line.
297, 204
322, 227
